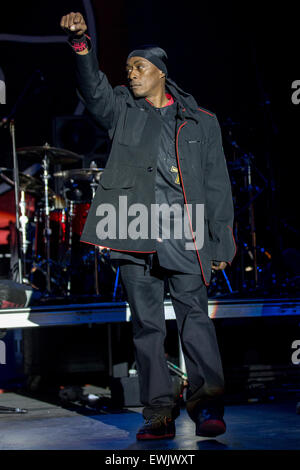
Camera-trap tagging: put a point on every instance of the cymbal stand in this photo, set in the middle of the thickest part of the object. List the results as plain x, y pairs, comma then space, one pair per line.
94, 186
17, 202
47, 233
247, 159
252, 221
70, 243
23, 223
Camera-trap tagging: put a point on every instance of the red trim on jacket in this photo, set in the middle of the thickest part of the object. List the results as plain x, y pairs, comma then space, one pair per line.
115, 249
185, 199
206, 112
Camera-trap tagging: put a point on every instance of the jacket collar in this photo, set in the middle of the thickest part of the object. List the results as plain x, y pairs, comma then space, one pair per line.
187, 107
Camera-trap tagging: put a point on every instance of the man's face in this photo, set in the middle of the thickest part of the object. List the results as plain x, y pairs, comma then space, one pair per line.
145, 79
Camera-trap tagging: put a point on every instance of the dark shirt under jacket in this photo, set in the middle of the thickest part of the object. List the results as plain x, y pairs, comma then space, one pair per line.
168, 190
171, 252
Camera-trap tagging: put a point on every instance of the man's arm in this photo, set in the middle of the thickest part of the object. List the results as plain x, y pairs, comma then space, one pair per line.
93, 86
219, 203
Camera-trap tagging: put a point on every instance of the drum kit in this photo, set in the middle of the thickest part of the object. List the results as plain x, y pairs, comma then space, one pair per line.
53, 208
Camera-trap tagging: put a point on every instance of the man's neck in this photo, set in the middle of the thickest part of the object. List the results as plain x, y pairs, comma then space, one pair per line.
159, 100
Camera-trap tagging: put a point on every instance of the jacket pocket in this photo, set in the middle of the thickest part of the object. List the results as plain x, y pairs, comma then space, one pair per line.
194, 142
114, 178
195, 152
134, 123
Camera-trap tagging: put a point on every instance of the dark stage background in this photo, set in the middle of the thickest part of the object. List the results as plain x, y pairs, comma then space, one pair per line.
239, 60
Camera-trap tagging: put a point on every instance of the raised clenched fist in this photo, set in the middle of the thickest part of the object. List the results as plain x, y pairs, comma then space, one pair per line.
73, 23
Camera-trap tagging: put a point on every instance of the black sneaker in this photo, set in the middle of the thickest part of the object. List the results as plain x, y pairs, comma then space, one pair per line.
157, 427
210, 424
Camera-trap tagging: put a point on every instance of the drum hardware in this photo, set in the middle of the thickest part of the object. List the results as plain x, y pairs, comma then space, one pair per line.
25, 182
55, 258
19, 227
38, 278
252, 220
244, 166
4, 176
70, 242
48, 156
94, 185
117, 272
47, 233
81, 174
80, 187
23, 223
28, 184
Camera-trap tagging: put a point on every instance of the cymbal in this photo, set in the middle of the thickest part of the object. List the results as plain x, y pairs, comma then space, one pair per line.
81, 174
28, 183
55, 155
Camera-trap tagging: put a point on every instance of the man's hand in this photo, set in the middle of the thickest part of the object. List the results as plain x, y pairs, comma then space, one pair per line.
219, 266
103, 249
73, 23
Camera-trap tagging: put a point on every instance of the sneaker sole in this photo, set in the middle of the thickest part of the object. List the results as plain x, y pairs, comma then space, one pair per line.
211, 428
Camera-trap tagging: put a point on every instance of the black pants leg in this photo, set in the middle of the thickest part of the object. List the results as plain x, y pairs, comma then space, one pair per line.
145, 296
199, 343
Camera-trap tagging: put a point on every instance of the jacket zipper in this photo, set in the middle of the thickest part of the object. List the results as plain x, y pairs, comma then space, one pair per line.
185, 200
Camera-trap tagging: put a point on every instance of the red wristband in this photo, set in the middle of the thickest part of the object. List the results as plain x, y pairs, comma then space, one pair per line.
80, 44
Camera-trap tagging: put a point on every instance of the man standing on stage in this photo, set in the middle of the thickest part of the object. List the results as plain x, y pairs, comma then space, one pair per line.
166, 153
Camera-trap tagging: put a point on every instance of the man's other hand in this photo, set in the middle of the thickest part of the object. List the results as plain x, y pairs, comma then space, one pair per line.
103, 249
219, 266
73, 23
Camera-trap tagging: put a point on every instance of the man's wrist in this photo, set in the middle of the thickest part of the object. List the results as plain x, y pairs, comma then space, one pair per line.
80, 44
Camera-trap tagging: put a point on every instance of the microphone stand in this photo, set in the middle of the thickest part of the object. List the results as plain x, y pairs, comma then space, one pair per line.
19, 230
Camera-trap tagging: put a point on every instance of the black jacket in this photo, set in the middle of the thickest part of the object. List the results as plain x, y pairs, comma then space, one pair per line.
131, 168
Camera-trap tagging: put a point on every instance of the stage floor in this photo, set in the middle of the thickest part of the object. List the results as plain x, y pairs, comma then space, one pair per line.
49, 426
87, 311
